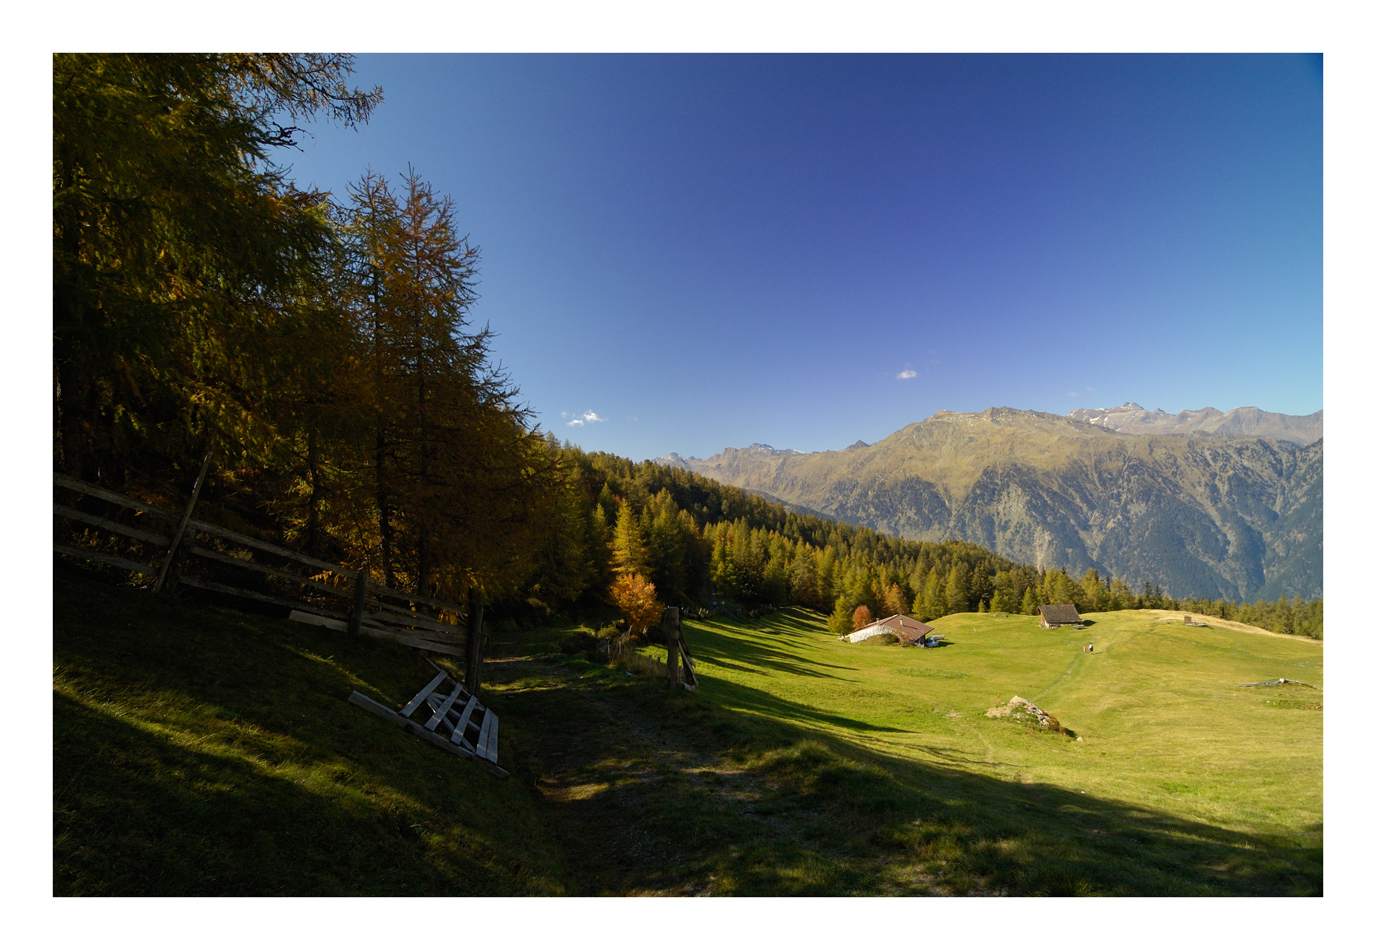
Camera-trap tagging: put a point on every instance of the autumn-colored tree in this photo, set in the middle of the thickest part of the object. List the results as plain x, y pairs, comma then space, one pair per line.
861, 618
894, 601
636, 598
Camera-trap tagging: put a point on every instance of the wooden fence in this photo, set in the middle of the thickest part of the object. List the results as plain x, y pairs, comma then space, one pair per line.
178, 550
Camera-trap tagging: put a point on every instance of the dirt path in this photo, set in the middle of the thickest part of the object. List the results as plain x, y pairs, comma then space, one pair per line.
611, 762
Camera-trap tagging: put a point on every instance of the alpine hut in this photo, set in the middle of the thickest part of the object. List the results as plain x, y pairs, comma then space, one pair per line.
1054, 615
910, 632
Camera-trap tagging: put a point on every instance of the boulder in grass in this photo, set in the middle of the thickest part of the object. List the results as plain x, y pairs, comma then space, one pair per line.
1022, 710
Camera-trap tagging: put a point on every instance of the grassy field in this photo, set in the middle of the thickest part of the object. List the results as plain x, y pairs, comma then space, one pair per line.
205, 751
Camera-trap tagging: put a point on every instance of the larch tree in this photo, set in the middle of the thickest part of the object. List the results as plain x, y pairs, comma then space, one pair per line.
179, 247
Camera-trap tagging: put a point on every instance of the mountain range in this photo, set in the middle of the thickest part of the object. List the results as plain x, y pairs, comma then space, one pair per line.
1205, 503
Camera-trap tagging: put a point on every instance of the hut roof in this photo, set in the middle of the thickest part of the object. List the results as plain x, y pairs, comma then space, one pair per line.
1059, 613
905, 628
901, 625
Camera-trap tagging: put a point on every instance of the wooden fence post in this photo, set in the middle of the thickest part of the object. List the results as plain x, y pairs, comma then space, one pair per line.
173, 548
172, 565
671, 618
360, 599
474, 647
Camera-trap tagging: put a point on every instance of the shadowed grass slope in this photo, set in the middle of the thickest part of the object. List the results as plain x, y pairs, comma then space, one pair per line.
203, 751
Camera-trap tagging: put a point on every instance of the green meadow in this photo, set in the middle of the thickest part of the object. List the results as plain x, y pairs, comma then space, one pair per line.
198, 750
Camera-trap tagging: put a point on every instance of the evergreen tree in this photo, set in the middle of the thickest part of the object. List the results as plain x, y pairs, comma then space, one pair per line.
628, 545
958, 589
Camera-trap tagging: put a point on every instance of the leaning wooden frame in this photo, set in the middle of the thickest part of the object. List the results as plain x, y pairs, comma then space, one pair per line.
179, 550
449, 717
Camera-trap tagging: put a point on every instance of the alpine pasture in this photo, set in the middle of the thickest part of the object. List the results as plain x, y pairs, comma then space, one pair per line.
200, 750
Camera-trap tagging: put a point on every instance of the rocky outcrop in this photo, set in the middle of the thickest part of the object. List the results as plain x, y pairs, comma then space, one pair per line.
1023, 710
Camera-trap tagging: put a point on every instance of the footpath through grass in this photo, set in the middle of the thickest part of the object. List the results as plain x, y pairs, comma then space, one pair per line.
204, 751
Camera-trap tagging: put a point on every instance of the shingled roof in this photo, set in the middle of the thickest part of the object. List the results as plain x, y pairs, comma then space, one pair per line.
907, 629
1059, 613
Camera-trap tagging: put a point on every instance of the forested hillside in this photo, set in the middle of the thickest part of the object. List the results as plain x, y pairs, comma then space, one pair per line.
1204, 515
321, 350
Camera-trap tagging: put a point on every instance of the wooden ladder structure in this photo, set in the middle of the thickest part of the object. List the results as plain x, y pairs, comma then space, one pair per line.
450, 717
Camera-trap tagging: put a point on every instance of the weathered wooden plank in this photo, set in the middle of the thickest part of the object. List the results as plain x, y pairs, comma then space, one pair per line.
95, 491
444, 708
420, 697
463, 720
418, 634
491, 753
199, 551
228, 535
416, 642
391, 615
377, 709
138, 533
380, 591
484, 732
254, 595
302, 616
109, 559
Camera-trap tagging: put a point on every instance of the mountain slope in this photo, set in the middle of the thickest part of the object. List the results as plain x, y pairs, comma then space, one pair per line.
1202, 514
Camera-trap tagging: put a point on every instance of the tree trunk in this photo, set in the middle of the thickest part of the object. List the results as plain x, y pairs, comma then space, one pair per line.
384, 521
474, 648
313, 514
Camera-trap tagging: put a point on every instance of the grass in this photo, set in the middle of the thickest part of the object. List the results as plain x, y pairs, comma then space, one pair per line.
199, 751
204, 751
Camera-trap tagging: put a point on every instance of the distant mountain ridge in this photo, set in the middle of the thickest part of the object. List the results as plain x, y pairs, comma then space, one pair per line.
1207, 512
1243, 422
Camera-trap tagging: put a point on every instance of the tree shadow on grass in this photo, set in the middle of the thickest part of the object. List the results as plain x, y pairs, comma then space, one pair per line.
705, 793
137, 814
750, 655
198, 751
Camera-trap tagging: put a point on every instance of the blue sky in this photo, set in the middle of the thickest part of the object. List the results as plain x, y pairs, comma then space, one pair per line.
687, 252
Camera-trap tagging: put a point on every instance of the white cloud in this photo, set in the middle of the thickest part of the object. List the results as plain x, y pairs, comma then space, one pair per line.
1073, 395
906, 374
585, 419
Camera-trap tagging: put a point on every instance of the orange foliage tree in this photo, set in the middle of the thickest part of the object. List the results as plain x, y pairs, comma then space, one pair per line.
636, 598
861, 617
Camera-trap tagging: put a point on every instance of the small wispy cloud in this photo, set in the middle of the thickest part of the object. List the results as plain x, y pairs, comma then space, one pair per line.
1073, 395
585, 419
906, 374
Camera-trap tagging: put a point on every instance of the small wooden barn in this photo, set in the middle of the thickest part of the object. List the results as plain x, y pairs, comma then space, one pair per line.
1055, 615
910, 632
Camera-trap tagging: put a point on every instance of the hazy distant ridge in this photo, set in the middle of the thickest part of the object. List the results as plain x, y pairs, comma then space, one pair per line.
1207, 503
1235, 423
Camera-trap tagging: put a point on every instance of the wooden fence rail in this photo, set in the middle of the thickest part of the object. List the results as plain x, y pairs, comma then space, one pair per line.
207, 557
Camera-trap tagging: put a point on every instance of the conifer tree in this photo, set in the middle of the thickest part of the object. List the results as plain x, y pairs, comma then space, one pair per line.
628, 545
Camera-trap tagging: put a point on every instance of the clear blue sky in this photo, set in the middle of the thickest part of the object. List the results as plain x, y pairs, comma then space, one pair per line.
706, 251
